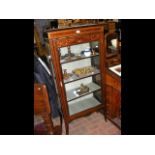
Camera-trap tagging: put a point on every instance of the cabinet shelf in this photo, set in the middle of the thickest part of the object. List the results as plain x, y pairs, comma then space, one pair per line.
83, 105
72, 95
76, 58
75, 77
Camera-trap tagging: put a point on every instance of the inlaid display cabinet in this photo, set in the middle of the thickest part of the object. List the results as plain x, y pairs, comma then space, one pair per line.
78, 58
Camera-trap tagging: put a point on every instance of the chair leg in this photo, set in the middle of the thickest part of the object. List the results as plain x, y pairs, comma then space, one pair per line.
58, 128
48, 123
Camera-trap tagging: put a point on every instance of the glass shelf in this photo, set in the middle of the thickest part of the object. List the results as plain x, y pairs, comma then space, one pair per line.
77, 58
75, 77
83, 105
72, 95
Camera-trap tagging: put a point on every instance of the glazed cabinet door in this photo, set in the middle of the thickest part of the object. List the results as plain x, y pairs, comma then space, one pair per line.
81, 73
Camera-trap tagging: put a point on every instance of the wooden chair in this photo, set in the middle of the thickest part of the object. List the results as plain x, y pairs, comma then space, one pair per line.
42, 107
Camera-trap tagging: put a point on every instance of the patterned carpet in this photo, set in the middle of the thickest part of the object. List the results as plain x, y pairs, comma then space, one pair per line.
93, 124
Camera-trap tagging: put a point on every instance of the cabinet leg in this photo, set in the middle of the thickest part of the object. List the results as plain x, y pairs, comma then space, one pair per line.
61, 119
67, 127
105, 114
105, 117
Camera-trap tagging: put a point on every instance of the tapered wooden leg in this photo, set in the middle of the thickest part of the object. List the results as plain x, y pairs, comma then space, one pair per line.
67, 127
103, 112
64, 116
61, 119
105, 117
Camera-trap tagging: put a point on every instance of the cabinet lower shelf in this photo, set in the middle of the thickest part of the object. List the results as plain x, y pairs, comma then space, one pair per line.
83, 105
71, 95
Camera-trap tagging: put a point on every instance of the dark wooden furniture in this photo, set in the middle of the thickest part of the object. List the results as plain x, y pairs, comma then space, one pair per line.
41, 51
42, 107
113, 97
67, 52
113, 55
109, 25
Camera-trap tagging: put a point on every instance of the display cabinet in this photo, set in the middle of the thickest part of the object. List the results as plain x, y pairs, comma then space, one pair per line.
78, 57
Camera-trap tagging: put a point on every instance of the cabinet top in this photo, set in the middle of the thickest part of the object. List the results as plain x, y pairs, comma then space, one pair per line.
76, 30
113, 74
